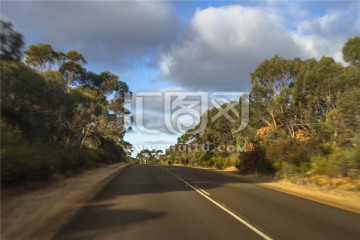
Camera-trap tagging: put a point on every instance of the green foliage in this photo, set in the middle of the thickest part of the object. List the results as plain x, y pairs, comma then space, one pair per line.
326, 149
76, 57
292, 151
304, 119
272, 76
254, 161
351, 51
12, 42
40, 56
317, 88
340, 163
219, 162
23, 161
58, 121
29, 101
149, 156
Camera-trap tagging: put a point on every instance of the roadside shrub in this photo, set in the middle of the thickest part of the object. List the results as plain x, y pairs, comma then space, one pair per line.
254, 161
73, 158
205, 160
26, 163
340, 163
31, 162
291, 151
22, 161
233, 159
326, 148
219, 162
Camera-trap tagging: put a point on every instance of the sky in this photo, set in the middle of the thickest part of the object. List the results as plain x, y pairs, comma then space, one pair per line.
161, 47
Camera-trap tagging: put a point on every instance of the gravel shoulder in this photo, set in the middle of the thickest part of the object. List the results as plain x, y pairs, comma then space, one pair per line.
39, 214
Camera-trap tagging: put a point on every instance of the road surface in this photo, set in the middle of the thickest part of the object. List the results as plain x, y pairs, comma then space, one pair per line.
169, 202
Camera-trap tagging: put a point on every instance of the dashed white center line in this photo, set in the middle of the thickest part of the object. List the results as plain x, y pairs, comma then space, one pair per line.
207, 196
202, 190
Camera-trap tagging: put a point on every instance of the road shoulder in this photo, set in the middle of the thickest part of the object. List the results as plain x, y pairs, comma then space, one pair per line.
40, 214
343, 199
347, 200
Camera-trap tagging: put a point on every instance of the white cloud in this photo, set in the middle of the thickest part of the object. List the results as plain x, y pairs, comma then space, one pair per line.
325, 35
225, 44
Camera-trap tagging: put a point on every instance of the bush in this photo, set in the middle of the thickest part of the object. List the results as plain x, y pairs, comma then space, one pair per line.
73, 158
254, 161
31, 162
219, 162
22, 161
291, 151
26, 163
205, 159
340, 163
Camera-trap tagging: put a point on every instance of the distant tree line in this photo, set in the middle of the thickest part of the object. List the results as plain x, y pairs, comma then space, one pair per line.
304, 119
147, 156
56, 116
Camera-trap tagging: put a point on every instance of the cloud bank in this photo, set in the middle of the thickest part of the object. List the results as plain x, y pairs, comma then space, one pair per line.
225, 44
106, 32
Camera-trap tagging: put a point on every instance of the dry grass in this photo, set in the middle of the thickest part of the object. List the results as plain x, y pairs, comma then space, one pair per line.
342, 193
336, 196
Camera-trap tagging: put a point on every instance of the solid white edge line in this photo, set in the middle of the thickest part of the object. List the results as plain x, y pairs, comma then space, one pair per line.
225, 209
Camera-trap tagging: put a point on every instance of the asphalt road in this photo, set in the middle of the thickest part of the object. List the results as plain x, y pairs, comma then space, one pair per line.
167, 202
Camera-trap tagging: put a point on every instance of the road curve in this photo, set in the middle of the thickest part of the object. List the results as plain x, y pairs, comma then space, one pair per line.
168, 202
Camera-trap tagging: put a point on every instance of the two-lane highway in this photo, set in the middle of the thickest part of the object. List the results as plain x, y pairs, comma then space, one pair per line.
167, 202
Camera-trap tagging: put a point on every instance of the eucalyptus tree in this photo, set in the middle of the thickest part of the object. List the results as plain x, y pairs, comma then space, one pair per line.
40, 57
145, 155
100, 110
72, 68
272, 87
12, 42
351, 51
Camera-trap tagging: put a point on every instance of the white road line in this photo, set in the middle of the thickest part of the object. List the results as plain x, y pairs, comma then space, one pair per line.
225, 209
202, 190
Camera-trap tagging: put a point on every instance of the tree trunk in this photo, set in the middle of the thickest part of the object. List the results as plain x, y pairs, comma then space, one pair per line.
84, 138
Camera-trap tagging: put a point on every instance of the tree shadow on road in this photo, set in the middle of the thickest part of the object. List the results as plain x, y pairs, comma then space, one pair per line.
95, 221
123, 201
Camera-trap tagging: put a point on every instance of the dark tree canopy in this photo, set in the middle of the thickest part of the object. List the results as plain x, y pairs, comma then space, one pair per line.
56, 115
12, 42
